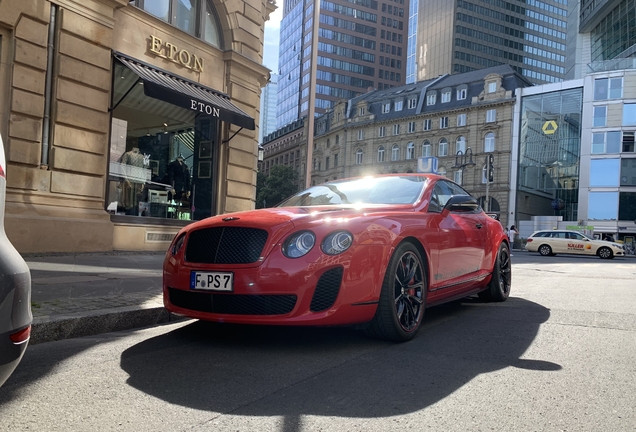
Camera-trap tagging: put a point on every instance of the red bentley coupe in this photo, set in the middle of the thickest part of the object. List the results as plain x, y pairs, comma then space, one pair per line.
375, 251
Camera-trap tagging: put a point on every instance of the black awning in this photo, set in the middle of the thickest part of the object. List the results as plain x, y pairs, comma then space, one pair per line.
162, 85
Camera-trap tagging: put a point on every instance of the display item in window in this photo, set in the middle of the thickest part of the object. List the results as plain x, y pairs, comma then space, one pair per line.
179, 178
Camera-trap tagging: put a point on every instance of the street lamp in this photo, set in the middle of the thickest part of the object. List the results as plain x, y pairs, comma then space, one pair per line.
461, 162
460, 159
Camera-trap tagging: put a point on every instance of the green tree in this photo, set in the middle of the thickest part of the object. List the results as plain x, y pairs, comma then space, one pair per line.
281, 183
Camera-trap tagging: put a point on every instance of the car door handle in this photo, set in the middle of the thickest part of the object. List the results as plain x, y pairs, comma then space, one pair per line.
478, 226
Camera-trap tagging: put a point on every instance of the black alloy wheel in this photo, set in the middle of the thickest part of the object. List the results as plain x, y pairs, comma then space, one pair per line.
605, 253
403, 297
545, 250
499, 286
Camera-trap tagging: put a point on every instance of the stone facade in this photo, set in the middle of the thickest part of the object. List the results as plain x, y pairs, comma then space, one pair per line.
56, 175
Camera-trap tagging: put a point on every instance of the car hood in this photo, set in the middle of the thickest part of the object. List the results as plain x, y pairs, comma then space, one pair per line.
271, 218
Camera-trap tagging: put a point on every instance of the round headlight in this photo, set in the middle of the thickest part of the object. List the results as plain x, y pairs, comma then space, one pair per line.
299, 244
337, 242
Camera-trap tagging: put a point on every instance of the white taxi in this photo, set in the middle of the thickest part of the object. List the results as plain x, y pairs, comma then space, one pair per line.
552, 242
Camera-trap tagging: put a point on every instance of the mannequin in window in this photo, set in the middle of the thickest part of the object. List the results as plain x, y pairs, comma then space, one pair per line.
132, 185
179, 178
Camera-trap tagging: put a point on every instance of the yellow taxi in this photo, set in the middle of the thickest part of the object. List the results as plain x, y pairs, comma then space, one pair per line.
552, 242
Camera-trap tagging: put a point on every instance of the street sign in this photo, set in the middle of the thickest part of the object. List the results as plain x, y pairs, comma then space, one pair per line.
427, 164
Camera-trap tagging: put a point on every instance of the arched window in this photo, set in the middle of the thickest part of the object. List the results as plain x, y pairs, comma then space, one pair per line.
184, 16
441, 171
443, 147
395, 152
338, 138
426, 148
381, 154
359, 157
489, 142
410, 151
460, 144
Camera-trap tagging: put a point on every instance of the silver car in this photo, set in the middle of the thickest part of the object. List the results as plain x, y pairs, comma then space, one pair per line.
15, 294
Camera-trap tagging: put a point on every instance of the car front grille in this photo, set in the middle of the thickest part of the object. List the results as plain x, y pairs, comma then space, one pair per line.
225, 245
326, 290
232, 304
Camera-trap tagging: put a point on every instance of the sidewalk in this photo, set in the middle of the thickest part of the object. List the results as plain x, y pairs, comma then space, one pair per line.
92, 293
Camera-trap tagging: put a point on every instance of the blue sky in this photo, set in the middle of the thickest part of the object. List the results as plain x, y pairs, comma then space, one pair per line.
272, 36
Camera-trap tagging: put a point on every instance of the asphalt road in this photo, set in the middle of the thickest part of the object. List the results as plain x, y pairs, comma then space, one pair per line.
559, 355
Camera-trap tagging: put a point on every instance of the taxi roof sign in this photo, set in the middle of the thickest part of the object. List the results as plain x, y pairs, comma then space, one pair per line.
549, 127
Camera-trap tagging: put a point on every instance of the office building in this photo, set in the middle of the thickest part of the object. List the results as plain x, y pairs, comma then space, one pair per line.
354, 46
269, 102
461, 36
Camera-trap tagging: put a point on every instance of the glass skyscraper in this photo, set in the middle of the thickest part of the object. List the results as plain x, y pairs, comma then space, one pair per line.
465, 35
361, 45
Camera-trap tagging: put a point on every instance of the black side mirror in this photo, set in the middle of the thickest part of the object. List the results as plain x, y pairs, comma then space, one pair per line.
461, 204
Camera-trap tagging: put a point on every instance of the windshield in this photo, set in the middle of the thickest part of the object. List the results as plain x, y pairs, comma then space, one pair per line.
368, 190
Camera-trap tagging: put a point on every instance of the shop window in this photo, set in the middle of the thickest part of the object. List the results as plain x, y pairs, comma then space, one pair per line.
159, 154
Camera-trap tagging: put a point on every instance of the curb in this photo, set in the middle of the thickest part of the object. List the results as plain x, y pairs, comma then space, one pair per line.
59, 327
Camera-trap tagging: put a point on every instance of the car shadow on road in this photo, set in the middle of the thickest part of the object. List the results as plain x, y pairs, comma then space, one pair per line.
291, 372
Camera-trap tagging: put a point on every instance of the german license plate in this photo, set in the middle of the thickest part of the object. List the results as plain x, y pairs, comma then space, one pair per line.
212, 281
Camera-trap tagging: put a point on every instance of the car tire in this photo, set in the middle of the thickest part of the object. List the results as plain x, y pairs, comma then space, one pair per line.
545, 250
499, 286
403, 297
605, 253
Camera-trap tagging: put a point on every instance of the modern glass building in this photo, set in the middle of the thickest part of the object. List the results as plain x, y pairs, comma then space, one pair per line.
465, 35
612, 28
549, 154
269, 105
411, 65
573, 153
361, 45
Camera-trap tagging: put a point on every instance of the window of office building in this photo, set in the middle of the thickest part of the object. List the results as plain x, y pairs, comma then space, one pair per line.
627, 206
443, 147
489, 142
602, 206
381, 154
608, 88
460, 144
599, 117
606, 142
395, 152
426, 149
604, 172
629, 114
628, 172
410, 151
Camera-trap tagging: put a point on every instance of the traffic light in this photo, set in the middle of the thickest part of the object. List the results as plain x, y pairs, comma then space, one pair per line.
491, 169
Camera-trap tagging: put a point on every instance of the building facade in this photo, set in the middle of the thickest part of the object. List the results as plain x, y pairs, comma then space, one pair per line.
576, 160
466, 35
461, 120
338, 51
125, 120
286, 146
